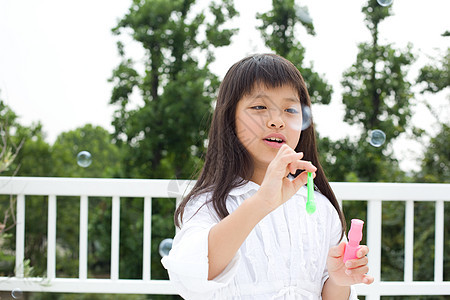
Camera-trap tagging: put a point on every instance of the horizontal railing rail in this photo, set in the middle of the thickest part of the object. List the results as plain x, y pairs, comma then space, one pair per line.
373, 193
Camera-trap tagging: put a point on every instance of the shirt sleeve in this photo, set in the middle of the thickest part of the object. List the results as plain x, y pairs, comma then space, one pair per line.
335, 239
187, 263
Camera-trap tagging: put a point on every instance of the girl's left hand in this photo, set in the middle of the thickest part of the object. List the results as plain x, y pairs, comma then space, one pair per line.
353, 271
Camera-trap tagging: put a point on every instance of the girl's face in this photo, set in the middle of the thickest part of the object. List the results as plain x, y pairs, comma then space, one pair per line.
266, 119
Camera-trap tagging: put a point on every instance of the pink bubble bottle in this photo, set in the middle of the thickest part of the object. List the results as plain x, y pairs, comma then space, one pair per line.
354, 237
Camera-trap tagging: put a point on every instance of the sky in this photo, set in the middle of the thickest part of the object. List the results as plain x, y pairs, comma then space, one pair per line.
56, 57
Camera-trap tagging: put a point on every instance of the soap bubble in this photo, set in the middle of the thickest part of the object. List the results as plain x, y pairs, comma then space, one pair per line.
385, 2
84, 159
178, 188
174, 189
17, 293
306, 117
377, 138
165, 246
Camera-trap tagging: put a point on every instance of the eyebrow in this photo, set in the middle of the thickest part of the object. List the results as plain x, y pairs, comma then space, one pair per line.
264, 96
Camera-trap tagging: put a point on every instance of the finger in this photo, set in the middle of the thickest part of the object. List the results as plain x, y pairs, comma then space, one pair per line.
362, 251
283, 158
356, 263
302, 165
288, 158
337, 251
285, 148
301, 179
358, 271
368, 279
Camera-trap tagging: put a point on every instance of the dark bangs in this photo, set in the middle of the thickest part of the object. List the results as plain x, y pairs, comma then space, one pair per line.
270, 70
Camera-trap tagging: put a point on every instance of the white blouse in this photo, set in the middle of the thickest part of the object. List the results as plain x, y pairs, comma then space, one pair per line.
284, 257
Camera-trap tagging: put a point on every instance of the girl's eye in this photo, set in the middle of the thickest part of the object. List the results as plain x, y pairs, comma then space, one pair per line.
292, 110
258, 107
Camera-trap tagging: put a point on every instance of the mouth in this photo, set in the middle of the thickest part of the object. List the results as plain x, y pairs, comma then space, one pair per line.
274, 142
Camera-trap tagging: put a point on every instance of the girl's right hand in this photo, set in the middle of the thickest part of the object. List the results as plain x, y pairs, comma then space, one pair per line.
276, 188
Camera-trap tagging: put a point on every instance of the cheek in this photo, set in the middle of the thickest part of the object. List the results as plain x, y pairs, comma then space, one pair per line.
294, 128
246, 131
294, 124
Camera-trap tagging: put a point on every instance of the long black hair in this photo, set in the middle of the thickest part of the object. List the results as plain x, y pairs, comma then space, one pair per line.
227, 163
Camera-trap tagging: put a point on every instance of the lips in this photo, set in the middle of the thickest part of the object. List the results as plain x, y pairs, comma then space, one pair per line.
277, 136
275, 140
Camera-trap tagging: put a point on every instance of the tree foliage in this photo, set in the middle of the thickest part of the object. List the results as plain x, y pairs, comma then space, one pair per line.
436, 160
377, 95
279, 31
106, 158
165, 135
434, 79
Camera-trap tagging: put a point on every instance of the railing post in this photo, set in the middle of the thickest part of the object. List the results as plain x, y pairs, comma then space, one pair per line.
439, 242
115, 237
146, 259
374, 218
20, 235
83, 251
51, 237
409, 241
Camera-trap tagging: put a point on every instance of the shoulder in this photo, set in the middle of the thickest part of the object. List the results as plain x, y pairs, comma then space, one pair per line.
199, 206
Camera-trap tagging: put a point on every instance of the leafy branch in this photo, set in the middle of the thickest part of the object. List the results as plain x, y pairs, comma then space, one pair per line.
8, 154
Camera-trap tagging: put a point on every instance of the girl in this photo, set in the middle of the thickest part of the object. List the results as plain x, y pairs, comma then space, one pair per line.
245, 232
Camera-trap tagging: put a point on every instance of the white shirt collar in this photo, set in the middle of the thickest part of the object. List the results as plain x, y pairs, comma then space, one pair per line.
245, 188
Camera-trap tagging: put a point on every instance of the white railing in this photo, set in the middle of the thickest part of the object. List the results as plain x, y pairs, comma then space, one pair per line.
373, 193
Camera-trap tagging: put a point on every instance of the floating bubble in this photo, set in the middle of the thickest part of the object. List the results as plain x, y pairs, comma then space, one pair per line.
377, 138
385, 2
306, 117
174, 189
84, 159
165, 246
17, 293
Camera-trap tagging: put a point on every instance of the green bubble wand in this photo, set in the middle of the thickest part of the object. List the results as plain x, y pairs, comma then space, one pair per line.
310, 203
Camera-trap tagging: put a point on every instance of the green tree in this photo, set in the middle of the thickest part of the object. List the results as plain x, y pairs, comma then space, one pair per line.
434, 79
8, 152
165, 135
376, 95
435, 165
106, 157
8, 148
32, 160
30, 141
279, 31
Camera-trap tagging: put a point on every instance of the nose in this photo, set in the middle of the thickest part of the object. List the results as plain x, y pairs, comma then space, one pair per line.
275, 123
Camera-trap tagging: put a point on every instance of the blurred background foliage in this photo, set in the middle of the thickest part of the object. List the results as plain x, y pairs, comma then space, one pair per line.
166, 136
